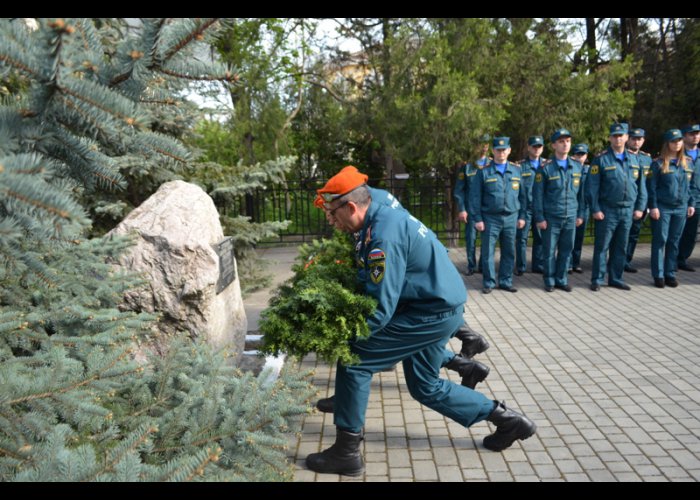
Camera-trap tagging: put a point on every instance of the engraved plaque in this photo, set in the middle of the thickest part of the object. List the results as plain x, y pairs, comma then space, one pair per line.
227, 269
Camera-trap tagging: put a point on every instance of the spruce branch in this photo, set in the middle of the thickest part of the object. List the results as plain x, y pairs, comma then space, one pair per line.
196, 34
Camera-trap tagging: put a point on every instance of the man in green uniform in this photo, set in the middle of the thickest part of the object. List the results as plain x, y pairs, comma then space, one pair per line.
616, 193
498, 208
465, 176
558, 207
529, 168
420, 297
579, 152
634, 145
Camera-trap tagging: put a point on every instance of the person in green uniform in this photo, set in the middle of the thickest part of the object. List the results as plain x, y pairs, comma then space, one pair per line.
670, 203
420, 305
616, 194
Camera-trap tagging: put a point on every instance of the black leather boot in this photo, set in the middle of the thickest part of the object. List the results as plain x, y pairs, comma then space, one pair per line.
472, 372
343, 457
326, 405
510, 426
472, 342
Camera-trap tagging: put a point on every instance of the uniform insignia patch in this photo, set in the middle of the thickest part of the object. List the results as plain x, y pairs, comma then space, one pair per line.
594, 170
461, 176
368, 236
376, 272
577, 182
635, 174
516, 185
538, 177
376, 254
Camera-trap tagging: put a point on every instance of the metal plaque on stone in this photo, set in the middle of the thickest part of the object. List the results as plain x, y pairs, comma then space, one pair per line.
227, 268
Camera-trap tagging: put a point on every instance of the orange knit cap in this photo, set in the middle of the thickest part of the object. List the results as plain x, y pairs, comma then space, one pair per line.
341, 183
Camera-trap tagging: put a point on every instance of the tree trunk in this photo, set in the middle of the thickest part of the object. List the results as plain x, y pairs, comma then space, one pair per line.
591, 43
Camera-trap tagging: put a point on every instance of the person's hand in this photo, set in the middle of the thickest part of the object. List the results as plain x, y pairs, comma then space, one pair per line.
655, 214
637, 214
691, 211
521, 223
462, 216
480, 226
542, 225
579, 221
599, 216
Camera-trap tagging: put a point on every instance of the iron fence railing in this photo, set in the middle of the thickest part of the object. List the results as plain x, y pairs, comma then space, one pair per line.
428, 198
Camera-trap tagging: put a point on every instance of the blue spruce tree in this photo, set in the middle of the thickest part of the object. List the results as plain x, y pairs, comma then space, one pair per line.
73, 404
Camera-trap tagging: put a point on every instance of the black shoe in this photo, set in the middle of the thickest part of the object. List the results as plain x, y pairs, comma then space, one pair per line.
510, 426
486, 291
630, 269
343, 457
518, 273
472, 372
566, 288
538, 271
672, 282
686, 267
578, 270
479, 271
470, 272
659, 282
570, 271
510, 289
620, 286
326, 405
472, 342
548, 288
595, 287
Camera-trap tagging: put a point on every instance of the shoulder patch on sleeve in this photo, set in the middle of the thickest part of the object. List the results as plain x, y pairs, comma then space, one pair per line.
376, 254
376, 271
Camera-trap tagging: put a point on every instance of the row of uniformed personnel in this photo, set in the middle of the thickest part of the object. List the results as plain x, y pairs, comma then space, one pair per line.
501, 199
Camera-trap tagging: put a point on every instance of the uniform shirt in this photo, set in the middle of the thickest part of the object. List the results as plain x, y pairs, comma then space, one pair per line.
528, 169
557, 192
405, 267
695, 180
671, 189
465, 176
613, 183
497, 194
382, 197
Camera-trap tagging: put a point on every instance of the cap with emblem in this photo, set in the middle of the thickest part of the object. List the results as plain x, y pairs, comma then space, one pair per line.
637, 132
618, 129
579, 149
558, 134
672, 134
348, 179
500, 142
691, 128
535, 140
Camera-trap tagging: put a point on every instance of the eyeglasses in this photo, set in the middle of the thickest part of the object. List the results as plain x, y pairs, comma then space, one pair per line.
332, 212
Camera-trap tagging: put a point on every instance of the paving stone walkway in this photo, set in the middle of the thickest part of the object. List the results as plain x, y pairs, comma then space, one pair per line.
612, 380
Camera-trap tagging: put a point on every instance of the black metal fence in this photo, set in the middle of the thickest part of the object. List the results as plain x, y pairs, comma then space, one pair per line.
428, 198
